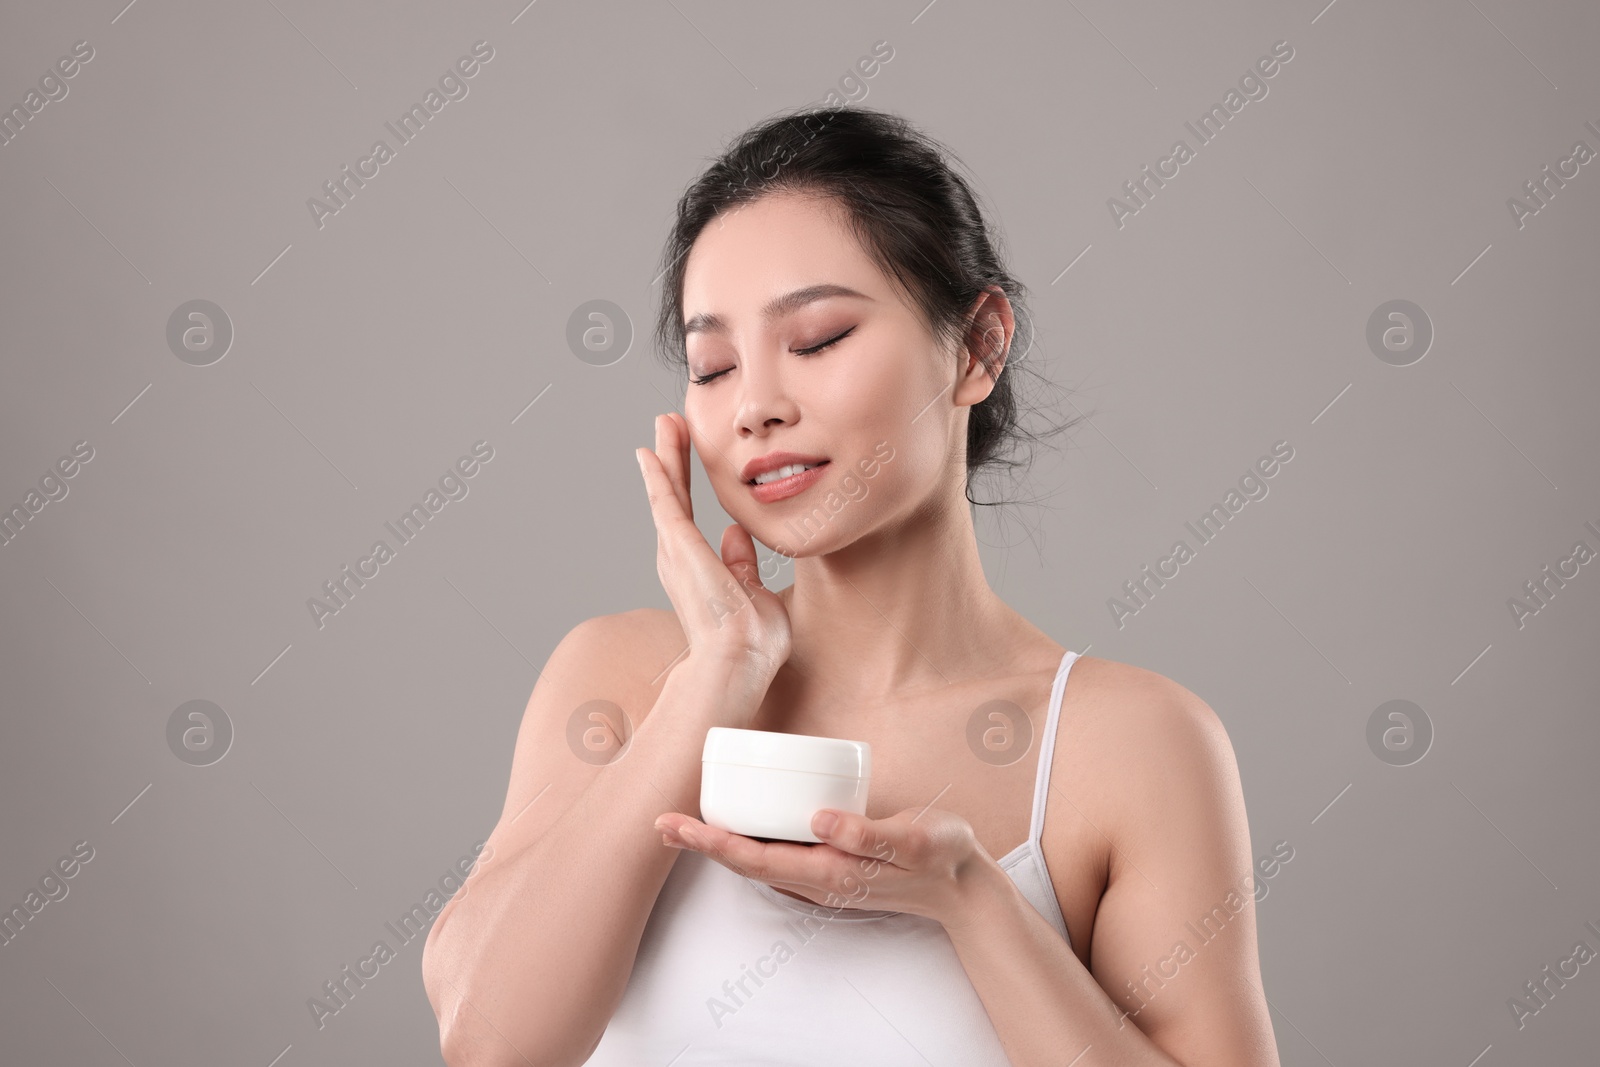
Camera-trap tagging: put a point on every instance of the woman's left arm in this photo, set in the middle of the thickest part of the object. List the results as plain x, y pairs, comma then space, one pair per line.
1174, 938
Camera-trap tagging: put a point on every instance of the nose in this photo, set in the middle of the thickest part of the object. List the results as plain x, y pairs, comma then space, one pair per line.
763, 400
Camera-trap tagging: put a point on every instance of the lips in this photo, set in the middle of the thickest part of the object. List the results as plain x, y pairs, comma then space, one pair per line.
777, 474
774, 460
784, 488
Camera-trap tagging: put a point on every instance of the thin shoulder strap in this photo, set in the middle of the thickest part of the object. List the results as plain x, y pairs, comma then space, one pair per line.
1047, 747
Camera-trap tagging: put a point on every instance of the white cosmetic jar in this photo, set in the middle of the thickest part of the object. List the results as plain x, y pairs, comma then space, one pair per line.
768, 785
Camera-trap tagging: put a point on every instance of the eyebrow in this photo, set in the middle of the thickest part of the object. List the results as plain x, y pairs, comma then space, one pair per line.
707, 322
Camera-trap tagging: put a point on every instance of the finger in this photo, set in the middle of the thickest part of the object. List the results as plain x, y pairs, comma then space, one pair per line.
739, 556
799, 867
877, 839
804, 869
668, 822
738, 853
665, 509
674, 460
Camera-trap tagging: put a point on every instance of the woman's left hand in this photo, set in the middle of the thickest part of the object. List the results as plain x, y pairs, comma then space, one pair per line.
919, 861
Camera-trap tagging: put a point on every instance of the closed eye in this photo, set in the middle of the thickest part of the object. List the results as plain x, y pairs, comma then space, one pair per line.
813, 350
826, 344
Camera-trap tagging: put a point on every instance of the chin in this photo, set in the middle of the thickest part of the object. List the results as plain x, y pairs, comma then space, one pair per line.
788, 538
775, 536
807, 525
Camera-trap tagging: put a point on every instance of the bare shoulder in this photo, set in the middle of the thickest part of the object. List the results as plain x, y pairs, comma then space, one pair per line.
603, 664
629, 653
1141, 723
1124, 698
654, 637
641, 631
1138, 745
648, 624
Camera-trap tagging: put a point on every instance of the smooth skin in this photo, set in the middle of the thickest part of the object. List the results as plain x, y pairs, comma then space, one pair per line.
890, 633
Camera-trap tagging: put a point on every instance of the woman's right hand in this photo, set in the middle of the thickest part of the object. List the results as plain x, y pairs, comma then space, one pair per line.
726, 612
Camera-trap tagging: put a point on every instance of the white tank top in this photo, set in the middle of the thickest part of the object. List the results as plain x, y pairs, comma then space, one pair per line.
731, 971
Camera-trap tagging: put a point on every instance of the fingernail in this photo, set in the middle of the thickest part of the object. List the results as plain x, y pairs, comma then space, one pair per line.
824, 823
670, 843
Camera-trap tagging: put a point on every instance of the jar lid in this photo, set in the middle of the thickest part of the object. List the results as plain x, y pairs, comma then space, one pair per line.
788, 752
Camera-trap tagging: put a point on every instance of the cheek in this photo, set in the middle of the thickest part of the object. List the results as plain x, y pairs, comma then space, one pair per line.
877, 396
717, 470
705, 419
913, 468
721, 473
895, 408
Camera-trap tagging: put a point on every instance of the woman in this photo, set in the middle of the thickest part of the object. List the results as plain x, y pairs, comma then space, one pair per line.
837, 302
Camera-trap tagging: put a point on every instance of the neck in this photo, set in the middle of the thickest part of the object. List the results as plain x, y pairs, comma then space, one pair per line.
904, 609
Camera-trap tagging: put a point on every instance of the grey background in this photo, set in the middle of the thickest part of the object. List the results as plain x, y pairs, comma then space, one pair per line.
1228, 314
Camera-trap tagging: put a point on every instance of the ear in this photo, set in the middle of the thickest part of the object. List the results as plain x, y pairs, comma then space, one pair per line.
985, 345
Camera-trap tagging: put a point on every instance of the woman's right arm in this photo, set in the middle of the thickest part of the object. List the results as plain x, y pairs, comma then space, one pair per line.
527, 963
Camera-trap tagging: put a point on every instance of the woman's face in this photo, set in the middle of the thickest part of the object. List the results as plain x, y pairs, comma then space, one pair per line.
882, 404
